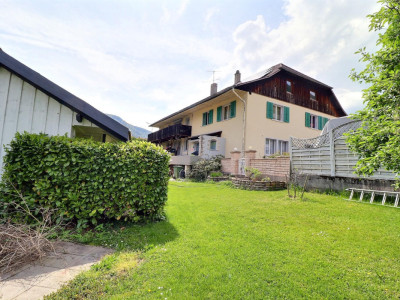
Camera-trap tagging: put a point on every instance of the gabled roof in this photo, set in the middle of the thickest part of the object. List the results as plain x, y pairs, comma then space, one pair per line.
275, 70
64, 97
257, 77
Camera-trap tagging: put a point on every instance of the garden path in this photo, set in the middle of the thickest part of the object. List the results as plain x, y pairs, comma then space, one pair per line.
40, 278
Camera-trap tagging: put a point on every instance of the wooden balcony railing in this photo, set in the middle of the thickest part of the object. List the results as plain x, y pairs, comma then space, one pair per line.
176, 131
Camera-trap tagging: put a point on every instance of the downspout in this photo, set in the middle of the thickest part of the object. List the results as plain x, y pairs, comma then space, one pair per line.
244, 122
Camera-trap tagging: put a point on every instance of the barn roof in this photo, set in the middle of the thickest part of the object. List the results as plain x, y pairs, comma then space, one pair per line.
64, 97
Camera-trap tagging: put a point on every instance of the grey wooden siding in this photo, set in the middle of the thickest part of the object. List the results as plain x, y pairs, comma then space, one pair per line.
328, 155
25, 108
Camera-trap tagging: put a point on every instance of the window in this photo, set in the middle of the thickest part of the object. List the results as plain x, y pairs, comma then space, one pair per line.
226, 112
316, 122
213, 145
185, 145
313, 96
273, 146
288, 86
208, 117
277, 112
187, 121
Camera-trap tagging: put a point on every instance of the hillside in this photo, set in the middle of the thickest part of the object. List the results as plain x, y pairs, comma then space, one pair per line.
137, 132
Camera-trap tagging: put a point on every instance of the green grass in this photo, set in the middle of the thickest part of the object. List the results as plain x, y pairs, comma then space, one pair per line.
223, 243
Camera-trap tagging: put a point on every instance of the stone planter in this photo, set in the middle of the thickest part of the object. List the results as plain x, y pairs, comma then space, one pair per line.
247, 184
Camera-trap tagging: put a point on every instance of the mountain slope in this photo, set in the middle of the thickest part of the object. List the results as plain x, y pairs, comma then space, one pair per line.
136, 131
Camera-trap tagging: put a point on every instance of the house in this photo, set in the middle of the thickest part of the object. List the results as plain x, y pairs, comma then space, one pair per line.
259, 114
30, 102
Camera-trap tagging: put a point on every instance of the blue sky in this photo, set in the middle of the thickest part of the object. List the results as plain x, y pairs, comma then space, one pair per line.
142, 60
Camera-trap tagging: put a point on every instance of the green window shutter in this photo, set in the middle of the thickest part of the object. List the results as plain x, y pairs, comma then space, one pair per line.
320, 120
308, 119
204, 118
270, 110
233, 109
286, 115
325, 121
210, 116
219, 113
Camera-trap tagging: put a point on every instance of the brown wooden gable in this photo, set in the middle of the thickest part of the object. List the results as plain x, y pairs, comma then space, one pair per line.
275, 87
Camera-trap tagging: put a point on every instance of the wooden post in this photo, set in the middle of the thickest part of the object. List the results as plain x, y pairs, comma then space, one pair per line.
332, 153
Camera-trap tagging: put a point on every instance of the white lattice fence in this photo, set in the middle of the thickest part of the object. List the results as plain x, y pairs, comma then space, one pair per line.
328, 155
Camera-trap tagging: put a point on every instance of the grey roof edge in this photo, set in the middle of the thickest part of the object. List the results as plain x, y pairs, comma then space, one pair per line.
269, 73
195, 104
64, 97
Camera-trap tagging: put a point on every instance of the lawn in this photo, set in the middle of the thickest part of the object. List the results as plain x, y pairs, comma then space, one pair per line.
223, 243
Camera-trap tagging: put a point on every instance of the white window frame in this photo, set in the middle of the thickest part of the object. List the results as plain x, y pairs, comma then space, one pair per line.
227, 109
207, 119
313, 125
211, 142
273, 146
275, 112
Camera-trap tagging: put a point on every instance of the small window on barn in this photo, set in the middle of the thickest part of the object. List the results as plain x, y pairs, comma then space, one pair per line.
288, 86
213, 145
313, 96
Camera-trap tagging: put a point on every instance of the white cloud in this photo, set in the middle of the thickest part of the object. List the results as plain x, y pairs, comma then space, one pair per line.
351, 101
211, 12
318, 38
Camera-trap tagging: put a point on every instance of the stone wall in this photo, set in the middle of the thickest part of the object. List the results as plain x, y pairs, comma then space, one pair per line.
248, 184
328, 183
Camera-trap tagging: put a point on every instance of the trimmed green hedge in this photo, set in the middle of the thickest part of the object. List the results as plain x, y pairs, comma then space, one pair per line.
86, 181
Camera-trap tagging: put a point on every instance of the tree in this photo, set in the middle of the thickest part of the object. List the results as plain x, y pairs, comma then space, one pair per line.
377, 141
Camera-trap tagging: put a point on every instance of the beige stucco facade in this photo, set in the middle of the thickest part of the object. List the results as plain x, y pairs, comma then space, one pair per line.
257, 126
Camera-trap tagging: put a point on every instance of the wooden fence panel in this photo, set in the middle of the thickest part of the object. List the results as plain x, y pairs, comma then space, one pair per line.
333, 158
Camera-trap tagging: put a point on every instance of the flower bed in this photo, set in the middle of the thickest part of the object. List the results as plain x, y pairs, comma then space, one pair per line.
247, 184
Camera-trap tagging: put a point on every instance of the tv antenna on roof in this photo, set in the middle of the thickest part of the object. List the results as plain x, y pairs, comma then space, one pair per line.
214, 71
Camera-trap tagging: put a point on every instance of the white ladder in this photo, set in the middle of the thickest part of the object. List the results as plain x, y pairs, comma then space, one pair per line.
373, 193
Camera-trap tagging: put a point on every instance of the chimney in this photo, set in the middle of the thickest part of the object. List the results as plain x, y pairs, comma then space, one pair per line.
214, 88
237, 77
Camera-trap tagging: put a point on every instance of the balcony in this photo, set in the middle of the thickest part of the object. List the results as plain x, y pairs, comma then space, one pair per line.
176, 131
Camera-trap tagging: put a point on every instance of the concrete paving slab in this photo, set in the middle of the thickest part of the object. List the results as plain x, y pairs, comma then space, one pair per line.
59, 277
35, 280
67, 260
36, 292
10, 290
78, 249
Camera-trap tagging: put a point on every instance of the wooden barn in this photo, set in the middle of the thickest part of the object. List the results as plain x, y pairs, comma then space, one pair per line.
30, 102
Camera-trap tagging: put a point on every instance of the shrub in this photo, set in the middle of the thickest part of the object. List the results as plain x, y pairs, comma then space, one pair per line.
216, 174
253, 173
203, 167
86, 181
